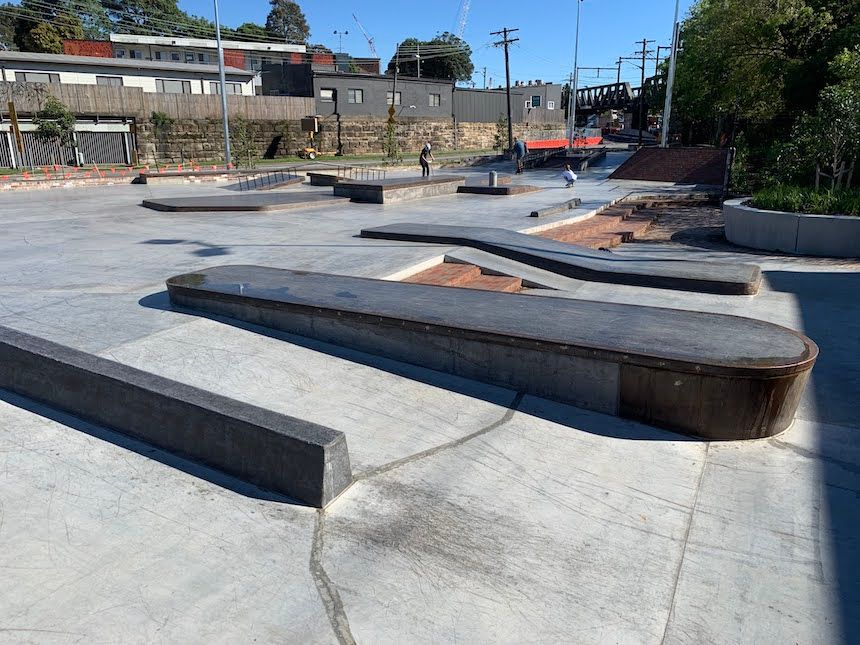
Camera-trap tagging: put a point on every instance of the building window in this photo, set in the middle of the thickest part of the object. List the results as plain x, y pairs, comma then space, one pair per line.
203, 58
355, 96
536, 100
396, 98
435, 100
170, 86
327, 95
189, 57
157, 55
135, 53
550, 105
232, 88
112, 81
256, 65
174, 56
120, 53
37, 77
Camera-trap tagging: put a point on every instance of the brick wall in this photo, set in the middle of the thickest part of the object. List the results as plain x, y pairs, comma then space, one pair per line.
234, 58
679, 165
101, 48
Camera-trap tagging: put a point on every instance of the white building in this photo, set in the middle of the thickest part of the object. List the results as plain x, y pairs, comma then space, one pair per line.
150, 75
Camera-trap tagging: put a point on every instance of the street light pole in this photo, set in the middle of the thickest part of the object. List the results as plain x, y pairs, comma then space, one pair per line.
571, 111
670, 82
223, 83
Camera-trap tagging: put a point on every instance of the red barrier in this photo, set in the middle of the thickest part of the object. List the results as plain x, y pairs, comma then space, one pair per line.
546, 144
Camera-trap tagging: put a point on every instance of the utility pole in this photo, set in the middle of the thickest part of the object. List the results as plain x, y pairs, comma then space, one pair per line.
571, 113
418, 56
657, 63
228, 161
667, 107
485, 78
618, 65
505, 42
642, 57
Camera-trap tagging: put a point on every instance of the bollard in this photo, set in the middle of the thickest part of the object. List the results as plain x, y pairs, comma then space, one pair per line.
494, 178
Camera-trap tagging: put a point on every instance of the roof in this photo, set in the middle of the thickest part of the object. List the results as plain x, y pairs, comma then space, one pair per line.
125, 63
207, 43
384, 77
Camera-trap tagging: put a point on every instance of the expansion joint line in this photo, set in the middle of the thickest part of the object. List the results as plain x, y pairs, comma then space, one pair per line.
671, 613
424, 454
326, 588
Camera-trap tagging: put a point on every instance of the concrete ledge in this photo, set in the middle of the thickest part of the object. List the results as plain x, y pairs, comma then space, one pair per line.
671, 368
580, 262
801, 233
322, 179
386, 191
246, 201
508, 190
570, 204
297, 458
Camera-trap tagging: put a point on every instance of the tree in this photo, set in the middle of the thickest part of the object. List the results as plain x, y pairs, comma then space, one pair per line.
319, 49
445, 56
162, 124
287, 22
242, 141
48, 37
146, 17
250, 31
55, 122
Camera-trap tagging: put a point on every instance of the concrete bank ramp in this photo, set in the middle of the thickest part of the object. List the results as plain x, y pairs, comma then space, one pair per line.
709, 375
583, 263
297, 458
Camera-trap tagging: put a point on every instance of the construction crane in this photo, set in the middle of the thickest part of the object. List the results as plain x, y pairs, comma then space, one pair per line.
367, 36
463, 17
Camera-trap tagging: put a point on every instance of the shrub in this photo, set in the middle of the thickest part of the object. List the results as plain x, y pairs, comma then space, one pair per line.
796, 199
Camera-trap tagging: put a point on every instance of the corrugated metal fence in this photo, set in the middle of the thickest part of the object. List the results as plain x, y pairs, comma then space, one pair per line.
95, 143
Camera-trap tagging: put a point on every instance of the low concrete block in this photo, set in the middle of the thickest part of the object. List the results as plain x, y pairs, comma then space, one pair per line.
570, 204
513, 189
828, 236
400, 189
237, 202
322, 179
672, 368
297, 458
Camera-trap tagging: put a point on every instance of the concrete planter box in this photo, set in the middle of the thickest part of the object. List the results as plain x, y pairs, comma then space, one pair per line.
822, 235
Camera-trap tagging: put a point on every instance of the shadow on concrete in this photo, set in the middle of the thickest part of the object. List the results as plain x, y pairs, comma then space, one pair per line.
576, 418
828, 303
120, 440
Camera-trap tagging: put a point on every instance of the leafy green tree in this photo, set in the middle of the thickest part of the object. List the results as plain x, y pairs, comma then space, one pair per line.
48, 37
147, 17
287, 22
55, 122
250, 31
445, 56
242, 141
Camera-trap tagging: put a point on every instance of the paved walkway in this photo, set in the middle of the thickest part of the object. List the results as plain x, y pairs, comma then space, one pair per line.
479, 515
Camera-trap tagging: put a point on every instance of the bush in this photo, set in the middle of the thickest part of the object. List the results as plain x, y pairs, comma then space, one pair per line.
796, 199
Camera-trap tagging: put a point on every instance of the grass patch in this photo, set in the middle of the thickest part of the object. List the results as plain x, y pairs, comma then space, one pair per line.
796, 199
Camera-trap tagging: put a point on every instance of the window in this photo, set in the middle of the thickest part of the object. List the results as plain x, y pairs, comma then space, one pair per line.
396, 98
203, 58
189, 57
550, 105
232, 88
120, 53
355, 96
170, 86
135, 53
536, 100
37, 77
327, 95
435, 100
528, 104
113, 81
256, 65
174, 56
157, 55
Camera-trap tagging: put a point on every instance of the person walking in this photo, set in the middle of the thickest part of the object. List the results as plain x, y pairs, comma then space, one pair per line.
520, 151
569, 176
425, 158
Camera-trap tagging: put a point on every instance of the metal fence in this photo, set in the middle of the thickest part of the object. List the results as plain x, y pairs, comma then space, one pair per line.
100, 143
267, 179
360, 173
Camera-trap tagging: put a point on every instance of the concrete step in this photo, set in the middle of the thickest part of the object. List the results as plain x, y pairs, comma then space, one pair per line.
601, 241
447, 274
495, 283
633, 227
573, 233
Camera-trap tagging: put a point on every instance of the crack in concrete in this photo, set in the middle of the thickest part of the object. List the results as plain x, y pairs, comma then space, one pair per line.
686, 540
327, 589
393, 465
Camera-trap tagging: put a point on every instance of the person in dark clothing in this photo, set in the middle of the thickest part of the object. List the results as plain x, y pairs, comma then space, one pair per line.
425, 159
520, 150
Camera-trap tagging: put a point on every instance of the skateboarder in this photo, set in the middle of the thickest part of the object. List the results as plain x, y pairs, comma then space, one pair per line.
425, 158
569, 176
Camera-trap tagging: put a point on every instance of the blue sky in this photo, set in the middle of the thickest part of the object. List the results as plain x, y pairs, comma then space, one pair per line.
609, 29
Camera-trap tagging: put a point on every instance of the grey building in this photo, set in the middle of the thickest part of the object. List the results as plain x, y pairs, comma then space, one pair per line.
349, 94
486, 106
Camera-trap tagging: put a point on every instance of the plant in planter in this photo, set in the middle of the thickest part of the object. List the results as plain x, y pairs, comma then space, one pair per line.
55, 122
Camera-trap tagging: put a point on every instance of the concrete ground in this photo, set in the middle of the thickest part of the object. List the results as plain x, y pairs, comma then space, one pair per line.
478, 515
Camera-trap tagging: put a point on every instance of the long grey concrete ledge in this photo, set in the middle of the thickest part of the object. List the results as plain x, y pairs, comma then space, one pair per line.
302, 460
801, 233
580, 262
247, 201
398, 189
558, 208
709, 375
